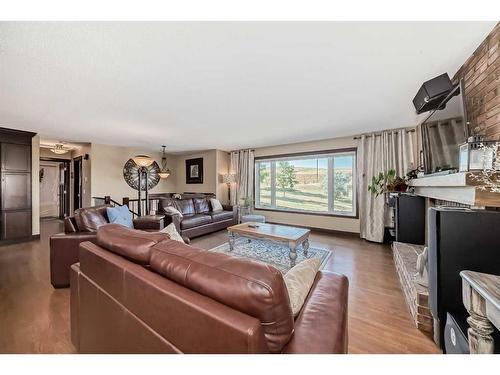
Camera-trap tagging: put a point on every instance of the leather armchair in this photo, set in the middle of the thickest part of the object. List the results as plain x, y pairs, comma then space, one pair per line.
79, 228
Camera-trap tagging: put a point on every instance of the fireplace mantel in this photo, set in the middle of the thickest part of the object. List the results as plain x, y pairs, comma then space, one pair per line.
462, 187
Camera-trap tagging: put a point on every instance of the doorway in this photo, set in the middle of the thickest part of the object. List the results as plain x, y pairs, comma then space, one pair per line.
54, 188
77, 182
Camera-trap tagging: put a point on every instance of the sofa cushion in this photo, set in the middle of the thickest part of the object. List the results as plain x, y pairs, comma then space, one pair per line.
216, 205
299, 281
120, 215
201, 205
172, 211
135, 245
185, 206
191, 221
172, 232
91, 218
221, 216
254, 288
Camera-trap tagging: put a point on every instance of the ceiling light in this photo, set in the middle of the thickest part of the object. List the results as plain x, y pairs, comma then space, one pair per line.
142, 160
164, 171
59, 149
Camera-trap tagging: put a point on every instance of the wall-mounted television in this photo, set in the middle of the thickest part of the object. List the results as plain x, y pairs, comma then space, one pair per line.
443, 131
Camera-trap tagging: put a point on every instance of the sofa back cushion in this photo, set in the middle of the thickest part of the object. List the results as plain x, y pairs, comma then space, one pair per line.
201, 205
256, 289
89, 219
135, 245
184, 206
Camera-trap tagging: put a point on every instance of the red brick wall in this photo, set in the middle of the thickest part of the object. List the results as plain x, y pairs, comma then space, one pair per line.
481, 73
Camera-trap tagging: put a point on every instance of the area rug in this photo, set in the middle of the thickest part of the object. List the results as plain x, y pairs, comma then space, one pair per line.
272, 253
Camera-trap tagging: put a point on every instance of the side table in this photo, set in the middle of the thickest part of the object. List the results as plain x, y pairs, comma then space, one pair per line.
150, 222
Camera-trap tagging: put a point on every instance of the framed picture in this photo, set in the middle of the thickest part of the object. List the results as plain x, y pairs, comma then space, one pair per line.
194, 171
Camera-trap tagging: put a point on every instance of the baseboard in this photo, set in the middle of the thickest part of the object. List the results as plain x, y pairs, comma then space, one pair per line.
20, 240
321, 230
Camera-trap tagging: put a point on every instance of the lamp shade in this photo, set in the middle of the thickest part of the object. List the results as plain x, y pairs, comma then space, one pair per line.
164, 174
229, 178
142, 160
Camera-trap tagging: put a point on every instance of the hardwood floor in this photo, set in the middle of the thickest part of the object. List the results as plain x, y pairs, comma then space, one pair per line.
34, 318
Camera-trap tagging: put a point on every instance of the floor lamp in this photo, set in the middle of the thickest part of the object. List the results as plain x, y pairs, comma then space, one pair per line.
229, 179
143, 162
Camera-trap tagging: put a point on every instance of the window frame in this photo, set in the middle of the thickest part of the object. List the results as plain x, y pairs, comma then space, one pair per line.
330, 154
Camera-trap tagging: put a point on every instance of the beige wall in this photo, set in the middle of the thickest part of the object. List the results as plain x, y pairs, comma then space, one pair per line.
107, 171
209, 184
223, 162
35, 185
324, 222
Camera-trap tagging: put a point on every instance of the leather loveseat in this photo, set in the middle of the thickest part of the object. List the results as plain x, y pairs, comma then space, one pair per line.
139, 292
196, 215
82, 226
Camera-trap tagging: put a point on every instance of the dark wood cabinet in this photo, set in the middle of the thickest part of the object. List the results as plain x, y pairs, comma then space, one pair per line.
15, 186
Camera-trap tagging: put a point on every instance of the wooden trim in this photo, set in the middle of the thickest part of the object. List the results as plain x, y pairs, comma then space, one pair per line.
321, 152
321, 230
307, 153
308, 213
19, 240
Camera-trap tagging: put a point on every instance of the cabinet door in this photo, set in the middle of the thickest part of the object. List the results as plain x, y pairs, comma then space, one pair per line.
16, 191
16, 224
16, 157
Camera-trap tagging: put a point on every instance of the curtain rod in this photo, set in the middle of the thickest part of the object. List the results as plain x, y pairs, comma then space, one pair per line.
379, 134
244, 149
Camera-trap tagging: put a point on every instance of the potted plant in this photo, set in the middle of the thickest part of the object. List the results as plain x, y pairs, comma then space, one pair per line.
246, 205
386, 182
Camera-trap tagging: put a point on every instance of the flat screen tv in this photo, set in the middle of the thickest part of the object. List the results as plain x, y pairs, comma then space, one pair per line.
442, 133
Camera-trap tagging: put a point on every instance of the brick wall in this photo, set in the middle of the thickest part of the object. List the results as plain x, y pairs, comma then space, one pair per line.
481, 73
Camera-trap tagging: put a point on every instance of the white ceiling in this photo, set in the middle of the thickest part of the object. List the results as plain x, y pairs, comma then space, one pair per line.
226, 85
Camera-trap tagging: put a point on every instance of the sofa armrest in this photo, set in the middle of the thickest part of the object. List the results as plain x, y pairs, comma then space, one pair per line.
150, 222
228, 207
321, 326
64, 253
173, 218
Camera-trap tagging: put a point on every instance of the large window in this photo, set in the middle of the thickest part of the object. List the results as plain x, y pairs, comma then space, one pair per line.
319, 183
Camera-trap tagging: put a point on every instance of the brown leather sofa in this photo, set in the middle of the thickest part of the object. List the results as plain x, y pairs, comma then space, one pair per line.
82, 226
139, 292
197, 217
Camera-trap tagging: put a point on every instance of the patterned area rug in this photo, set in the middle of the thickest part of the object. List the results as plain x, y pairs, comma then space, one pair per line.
273, 253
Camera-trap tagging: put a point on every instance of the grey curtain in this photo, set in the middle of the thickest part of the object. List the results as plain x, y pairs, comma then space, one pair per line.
242, 165
391, 149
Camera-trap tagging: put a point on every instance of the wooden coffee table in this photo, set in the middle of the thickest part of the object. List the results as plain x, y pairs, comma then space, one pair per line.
291, 236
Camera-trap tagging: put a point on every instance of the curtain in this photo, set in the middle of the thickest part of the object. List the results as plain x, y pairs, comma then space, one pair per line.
392, 149
242, 165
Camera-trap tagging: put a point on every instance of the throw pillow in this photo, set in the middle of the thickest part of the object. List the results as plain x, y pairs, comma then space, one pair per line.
120, 215
299, 280
172, 211
216, 205
172, 232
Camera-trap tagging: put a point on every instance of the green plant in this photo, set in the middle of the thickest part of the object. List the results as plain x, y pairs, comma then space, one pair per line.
246, 201
387, 181
263, 173
286, 178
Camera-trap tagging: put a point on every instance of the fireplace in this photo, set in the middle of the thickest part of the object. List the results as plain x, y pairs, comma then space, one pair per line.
459, 239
